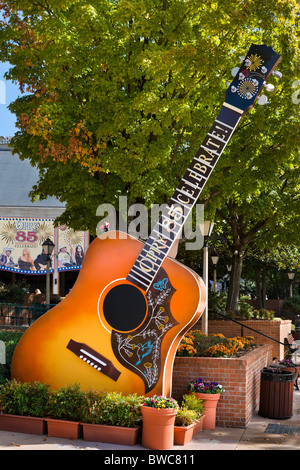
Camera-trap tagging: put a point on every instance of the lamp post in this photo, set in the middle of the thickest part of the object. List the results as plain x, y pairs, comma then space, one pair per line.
207, 230
48, 247
291, 278
215, 259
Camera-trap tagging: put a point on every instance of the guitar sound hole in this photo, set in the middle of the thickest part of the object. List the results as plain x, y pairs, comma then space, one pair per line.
124, 307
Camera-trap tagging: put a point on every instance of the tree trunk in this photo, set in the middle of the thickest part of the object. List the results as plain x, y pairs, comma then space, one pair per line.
261, 287
258, 289
264, 288
235, 281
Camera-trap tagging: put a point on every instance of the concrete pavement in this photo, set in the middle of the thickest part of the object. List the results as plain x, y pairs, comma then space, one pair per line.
260, 434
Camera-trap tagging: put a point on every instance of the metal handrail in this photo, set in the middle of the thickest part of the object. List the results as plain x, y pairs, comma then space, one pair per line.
256, 331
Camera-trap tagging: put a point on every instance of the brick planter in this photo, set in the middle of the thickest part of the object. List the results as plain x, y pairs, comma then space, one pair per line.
277, 329
239, 376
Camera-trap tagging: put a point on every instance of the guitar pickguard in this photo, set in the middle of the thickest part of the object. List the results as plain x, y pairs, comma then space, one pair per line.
140, 351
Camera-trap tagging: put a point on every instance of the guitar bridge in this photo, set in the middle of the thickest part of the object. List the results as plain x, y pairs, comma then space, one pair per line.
94, 359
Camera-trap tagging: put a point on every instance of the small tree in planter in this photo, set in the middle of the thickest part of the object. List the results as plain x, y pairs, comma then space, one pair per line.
191, 402
66, 408
184, 425
23, 406
112, 417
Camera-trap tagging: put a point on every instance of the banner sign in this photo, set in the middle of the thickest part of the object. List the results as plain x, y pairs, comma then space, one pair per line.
21, 248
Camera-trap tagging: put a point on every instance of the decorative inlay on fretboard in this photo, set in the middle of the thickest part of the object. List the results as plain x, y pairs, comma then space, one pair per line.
170, 223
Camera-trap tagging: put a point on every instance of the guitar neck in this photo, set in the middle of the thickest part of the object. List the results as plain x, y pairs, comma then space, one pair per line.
169, 226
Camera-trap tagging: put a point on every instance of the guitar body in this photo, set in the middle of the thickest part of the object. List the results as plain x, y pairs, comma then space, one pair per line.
108, 334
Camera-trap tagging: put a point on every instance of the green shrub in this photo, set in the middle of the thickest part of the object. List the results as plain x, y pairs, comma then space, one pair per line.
216, 304
191, 402
113, 408
291, 307
185, 417
15, 293
67, 403
11, 339
24, 399
245, 310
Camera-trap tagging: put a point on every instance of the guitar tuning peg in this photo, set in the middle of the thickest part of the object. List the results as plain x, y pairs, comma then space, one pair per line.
234, 71
269, 87
241, 58
228, 83
277, 74
262, 100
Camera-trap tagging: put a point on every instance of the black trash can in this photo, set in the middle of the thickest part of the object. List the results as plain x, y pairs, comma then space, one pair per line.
276, 392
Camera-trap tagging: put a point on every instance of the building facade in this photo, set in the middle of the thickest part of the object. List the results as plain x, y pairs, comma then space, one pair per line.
26, 224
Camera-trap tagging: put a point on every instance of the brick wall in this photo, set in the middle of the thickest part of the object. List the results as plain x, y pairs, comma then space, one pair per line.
239, 376
277, 329
271, 304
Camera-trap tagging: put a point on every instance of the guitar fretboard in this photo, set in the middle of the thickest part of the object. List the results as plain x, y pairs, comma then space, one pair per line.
168, 227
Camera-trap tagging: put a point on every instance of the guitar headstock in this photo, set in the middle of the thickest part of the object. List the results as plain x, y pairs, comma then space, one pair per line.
251, 77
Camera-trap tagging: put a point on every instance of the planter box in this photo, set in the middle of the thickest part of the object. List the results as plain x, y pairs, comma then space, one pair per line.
183, 434
64, 429
198, 425
26, 424
112, 434
239, 376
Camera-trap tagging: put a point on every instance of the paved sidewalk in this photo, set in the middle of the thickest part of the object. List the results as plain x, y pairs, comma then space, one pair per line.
260, 434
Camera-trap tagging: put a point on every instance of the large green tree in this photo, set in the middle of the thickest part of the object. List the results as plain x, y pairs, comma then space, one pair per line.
119, 93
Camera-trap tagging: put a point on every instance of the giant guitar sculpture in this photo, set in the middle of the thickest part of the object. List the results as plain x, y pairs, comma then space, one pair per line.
120, 326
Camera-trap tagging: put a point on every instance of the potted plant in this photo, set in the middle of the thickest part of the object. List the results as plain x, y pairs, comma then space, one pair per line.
65, 411
112, 417
192, 402
185, 420
210, 393
23, 407
158, 415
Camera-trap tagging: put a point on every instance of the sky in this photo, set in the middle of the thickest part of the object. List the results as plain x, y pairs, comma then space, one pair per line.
8, 92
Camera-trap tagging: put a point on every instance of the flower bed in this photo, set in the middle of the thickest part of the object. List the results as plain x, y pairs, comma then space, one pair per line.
277, 329
240, 377
196, 343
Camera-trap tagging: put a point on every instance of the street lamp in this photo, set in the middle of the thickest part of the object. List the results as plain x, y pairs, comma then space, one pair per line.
215, 259
291, 278
207, 230
48, 247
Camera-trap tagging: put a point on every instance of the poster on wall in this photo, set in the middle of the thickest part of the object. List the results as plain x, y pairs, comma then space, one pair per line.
71, 248
21, 248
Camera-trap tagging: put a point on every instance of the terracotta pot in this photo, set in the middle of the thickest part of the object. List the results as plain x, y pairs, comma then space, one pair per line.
198, 425
183, 434
111, 434
62, 428
27, 424
210, 404
158, 427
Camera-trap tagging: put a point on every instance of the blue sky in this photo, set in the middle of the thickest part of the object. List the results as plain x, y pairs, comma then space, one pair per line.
8, 93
